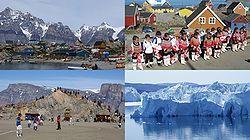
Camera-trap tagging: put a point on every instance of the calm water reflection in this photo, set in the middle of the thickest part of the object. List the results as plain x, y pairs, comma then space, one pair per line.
187, 128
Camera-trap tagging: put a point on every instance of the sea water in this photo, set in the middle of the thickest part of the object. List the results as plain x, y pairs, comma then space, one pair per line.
186, 128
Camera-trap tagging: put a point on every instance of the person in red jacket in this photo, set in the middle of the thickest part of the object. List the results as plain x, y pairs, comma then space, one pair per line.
208, 44
217, 44
58, 121
195, 47
243, 37
236, 40
183, 46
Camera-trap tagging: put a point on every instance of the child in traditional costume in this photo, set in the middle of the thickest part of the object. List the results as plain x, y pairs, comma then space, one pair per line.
148, 50
167, 49
236, 40
208, 44
243, 36
217, 44
195, 46
183, 46
136, 51
157, 41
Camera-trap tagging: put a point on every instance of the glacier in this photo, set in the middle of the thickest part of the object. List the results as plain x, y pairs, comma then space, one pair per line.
132, 95
189, 99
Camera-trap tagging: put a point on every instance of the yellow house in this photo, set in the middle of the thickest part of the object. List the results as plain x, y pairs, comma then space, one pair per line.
185, 12
147, 7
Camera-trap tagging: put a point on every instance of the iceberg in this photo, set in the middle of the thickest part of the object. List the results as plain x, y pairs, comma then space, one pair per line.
183, 99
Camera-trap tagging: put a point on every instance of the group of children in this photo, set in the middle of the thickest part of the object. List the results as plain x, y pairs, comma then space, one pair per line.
167, 49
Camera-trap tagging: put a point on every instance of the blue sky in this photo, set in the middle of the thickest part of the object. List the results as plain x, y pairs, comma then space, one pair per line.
73, 13
199, 77
68, 79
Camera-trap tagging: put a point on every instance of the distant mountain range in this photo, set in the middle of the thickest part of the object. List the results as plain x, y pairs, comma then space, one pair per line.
20, 27
109, 94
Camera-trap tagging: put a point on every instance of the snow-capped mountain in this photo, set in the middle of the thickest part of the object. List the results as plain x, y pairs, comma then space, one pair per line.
15, 21
89, 34
192, 99
21, 27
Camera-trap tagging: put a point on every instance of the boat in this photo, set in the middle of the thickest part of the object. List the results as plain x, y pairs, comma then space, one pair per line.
77, 68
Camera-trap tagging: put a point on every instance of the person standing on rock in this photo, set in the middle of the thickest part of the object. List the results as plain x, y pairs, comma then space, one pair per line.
58, 120
19, 125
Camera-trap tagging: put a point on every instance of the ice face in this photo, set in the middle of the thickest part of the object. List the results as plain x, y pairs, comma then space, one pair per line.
183, 99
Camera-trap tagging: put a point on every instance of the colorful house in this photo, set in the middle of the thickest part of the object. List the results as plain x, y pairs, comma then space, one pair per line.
148, 18
236, 20
185, 12
146, 6
132, 16
237, 8
204, 17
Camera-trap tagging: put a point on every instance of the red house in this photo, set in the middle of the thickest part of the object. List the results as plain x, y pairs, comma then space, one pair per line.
132, 16
147, 18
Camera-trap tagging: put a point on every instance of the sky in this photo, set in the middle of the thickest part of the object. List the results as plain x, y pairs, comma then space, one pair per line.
73, 13
67, 79
199, 77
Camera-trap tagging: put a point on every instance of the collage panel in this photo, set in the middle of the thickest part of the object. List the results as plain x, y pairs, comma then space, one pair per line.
187, 105
61, 35
187, 34
62, 105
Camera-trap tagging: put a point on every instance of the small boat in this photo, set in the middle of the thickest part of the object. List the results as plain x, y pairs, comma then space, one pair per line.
76, 68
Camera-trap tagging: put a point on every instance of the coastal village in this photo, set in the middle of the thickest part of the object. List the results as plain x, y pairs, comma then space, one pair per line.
36, 52
159, 16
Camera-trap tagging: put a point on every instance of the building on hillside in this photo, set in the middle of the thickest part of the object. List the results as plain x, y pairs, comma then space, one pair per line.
136, 4
146, 6
164, 8
236, 20
132, 16
237, 8
147, 18
204, 17
206, 3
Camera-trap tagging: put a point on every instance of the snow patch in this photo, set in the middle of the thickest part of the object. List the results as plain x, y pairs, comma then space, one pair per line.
26, 32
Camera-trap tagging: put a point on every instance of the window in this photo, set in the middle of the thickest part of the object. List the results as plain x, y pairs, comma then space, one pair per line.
212, 20
202, 20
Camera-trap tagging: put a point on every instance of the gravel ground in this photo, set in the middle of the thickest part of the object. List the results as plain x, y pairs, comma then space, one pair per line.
79, 131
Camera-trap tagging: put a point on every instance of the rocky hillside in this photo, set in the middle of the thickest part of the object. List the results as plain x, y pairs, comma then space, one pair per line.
111, 95
21, 27
58, 103
16, 93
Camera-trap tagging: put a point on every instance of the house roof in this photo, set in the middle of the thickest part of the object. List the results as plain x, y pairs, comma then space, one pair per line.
145, 14
232, 17
130, 10
220, 6
195, 14
233, 5
204, 2
200, 10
